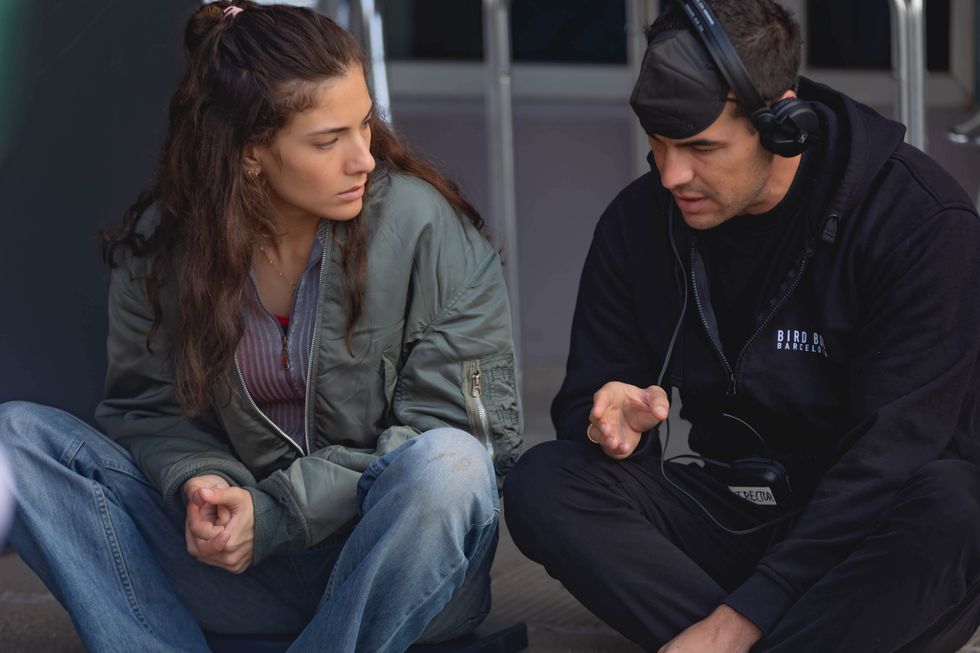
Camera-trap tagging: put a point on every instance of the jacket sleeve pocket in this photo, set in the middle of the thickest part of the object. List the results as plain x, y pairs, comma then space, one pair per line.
492, 402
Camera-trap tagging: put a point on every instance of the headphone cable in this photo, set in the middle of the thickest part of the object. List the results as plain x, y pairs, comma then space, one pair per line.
666, 422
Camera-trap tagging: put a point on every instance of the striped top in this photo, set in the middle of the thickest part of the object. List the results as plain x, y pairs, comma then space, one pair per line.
275, 359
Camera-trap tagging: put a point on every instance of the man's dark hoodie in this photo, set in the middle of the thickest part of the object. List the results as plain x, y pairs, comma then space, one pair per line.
860, 367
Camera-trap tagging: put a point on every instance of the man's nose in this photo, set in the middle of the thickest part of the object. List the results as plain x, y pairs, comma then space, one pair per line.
675, 168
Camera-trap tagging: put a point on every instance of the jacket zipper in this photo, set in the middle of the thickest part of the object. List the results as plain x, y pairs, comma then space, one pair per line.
279, 431
314, 340
475, 399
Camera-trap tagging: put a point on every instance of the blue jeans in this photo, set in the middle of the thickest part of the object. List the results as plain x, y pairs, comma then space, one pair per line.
415, 567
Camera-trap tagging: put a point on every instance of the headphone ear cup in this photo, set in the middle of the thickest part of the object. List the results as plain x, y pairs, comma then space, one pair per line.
788, 127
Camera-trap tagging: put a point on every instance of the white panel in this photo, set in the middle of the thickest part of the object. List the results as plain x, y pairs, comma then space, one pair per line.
595, 83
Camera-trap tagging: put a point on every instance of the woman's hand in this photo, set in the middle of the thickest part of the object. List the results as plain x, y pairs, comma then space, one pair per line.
213, 515
220, 525
621, 413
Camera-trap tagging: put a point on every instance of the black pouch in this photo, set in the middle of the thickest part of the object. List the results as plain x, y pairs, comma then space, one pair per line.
761, 481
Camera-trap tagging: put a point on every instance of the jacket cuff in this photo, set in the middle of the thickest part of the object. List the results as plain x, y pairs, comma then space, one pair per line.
173, 487
762, 599
277, 530
267, 514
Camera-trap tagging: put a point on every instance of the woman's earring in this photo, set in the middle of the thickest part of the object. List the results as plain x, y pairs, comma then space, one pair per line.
253, 173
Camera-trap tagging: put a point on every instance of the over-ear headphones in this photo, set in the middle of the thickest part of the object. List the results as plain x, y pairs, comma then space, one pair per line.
788, 126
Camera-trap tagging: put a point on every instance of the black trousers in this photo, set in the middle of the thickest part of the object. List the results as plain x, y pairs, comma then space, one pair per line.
649, 562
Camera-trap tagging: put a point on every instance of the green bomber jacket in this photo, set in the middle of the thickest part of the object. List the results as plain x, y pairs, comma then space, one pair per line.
432, 348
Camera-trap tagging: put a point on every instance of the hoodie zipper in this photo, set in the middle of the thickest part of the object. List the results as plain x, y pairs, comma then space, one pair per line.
704, 322
733, 374
782, 300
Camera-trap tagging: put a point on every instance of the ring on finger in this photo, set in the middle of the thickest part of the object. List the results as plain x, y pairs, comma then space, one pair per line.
588, 433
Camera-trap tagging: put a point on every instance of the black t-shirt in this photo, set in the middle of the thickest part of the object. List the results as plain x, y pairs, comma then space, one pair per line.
742, 253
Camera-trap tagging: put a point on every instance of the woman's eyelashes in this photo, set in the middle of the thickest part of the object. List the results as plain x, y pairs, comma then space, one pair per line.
366, 124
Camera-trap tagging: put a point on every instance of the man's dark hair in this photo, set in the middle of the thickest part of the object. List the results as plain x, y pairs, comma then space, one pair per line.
765, 35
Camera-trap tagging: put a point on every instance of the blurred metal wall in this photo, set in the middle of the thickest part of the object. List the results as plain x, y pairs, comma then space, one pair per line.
97, 78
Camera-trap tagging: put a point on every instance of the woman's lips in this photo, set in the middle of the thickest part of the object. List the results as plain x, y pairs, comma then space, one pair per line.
351, 194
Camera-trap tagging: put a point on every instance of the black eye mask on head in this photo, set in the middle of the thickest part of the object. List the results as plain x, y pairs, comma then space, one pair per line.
680, 91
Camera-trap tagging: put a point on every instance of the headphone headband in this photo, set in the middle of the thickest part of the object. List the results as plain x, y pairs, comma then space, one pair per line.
724, 54
788, 127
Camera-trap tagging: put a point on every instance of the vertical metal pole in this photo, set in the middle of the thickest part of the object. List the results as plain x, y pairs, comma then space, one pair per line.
365, 23
337, 10
500, 146
908, 56
976, 54
900, 55
917, 73
639, 13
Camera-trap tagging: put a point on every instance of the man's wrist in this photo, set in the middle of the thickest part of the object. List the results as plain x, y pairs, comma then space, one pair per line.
732, 621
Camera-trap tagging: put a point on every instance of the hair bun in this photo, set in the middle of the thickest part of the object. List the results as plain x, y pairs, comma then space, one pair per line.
206, 21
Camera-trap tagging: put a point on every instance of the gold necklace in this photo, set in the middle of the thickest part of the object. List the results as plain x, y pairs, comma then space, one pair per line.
292, 284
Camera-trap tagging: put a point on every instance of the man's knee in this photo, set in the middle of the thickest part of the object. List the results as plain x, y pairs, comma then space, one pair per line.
535, 491
538, 473
941, 503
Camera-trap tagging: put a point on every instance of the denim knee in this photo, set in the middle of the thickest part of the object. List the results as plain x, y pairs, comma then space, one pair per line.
27, 425
445, 471
33, 435
19, 422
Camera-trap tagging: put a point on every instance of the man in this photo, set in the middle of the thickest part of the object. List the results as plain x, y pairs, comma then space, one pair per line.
807, 281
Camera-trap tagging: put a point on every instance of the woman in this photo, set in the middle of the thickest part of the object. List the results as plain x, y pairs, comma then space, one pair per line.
302, 318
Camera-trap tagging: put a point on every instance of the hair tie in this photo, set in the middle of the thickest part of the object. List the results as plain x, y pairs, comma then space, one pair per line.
232, 11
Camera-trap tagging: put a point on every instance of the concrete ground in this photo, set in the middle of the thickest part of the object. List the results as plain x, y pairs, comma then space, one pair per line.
31, 621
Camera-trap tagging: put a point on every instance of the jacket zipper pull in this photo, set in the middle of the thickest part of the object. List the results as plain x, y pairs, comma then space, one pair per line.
483, 423
830, 229
731, 387
284, 355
